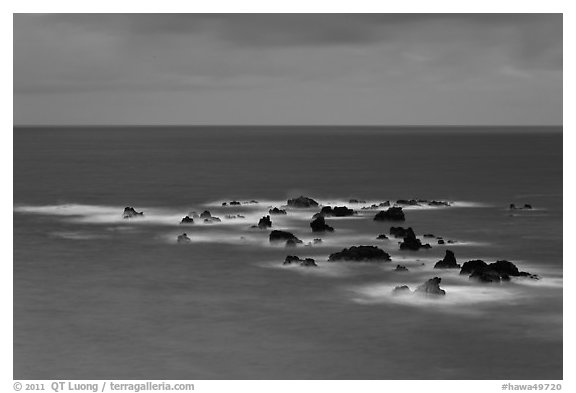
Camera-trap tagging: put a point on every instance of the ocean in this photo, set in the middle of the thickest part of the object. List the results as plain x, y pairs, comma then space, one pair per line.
97, 296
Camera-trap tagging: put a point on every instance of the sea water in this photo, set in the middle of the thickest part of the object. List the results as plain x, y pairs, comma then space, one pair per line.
98, 296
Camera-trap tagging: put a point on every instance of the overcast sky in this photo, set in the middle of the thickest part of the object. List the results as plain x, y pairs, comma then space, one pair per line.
389, 69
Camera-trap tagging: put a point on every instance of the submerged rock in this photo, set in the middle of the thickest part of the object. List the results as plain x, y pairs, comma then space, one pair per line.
130, 212
441, 241
449, 262
356, 201
319, 225
308, 262
302, 202
205, 214
391, 214
317, 241
282, 236
187, 220
360, 253
183, 238
411, 242
265, 222
336, 211
401, 268
431, 287
382, 237
277, 211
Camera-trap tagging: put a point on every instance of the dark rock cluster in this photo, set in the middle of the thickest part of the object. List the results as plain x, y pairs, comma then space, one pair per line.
187, 220
308, 262
494, 272
336, 211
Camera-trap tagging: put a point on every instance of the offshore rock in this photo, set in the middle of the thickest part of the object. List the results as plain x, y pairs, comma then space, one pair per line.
319, 225
265, 222
449, 262
391, 214
302, 202
431, 287
361, 254
130, 212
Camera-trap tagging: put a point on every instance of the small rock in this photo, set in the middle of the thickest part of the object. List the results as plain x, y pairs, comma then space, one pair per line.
183, 238
130, 212
187, 220
431, 287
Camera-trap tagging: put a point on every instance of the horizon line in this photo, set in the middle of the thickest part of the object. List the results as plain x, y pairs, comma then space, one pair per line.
290, 125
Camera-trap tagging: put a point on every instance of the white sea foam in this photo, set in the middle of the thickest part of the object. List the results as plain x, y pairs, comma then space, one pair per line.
77, 235
457, 298
324, 269
98, 214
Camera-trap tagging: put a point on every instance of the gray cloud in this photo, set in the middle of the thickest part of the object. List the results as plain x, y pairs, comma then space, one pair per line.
433, 56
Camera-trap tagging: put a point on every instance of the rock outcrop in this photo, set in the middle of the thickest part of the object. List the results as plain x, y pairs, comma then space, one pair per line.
494, 272
360, 254
265, 222
411, 242
302, 202
283, 236
449, 262
336, 211
183, 238
187, 220
319, 225
130, 212
431, 287
472, 266
277, 211
308, 262
391, 214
